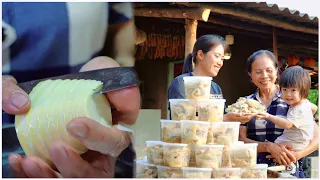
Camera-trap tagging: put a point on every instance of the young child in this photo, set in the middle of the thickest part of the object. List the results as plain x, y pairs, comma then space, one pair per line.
298, 125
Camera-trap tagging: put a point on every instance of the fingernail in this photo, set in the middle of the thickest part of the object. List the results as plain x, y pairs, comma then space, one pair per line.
14, 163
19, 99
79, 130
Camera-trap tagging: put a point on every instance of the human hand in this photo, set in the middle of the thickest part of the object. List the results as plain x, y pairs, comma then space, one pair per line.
263, 115
104, 143
14, 100
237, 117
281, 153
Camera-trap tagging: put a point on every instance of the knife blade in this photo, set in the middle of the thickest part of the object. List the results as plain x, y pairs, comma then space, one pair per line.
112, 78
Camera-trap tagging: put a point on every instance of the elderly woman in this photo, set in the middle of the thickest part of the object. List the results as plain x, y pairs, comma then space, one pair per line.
263, 70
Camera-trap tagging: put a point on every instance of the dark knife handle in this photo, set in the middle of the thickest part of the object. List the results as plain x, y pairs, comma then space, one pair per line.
112, 78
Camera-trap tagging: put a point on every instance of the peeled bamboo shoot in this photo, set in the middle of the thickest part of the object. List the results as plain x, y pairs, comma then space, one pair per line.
53, 104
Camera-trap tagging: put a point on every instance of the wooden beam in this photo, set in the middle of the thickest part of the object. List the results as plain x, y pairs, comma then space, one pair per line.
274, 42
311, 47
261, 29
297, 52
284, 54
201, 14
256, 16
191, 35
222, 28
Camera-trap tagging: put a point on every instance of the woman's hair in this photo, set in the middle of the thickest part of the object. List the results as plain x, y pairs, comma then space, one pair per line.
204, 43
296, 77
254, 56
267, 53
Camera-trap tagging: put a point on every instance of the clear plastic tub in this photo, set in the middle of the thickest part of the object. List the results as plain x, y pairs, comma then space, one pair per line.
208, 156
224, 133
169, 172
170, 131
194, 132
197, 87
210, 134
155, 152
192, 162
243, 155
226, 173
145, 170
182, 109
259, 172
225, 160
191, 172
176, 155
211, 110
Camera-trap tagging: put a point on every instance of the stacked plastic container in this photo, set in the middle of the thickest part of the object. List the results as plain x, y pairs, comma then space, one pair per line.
199, 146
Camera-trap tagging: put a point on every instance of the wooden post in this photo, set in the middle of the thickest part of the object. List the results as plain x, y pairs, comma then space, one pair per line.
274, 42
191, 35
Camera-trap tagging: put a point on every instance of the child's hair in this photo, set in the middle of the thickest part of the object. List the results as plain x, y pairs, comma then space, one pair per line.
296, 77
204, 43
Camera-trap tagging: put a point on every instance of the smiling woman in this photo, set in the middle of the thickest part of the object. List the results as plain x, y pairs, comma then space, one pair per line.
262, 67
207, 55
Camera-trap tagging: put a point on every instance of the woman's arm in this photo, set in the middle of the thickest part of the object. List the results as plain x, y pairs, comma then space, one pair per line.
314, 108
313, 145
280, 152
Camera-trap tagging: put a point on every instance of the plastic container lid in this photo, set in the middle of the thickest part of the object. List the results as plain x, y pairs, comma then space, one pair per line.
196, 122
225, 123
210, 145
227, 169
185, 100
238, 142
144, 163
171, 121
259, 166
196, 169
175, 144
166, 167
205, 100
154, 142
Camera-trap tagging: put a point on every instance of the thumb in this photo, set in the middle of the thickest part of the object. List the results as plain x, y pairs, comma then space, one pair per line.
14, 99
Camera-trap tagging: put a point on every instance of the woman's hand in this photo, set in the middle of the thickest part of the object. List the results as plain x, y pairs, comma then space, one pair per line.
238, 117
14, 100
104, 143
280, 153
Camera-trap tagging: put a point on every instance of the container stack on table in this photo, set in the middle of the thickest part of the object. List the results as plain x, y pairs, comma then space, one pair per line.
200, 146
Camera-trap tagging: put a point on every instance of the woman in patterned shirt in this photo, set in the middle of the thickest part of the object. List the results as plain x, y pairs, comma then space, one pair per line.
262, 68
